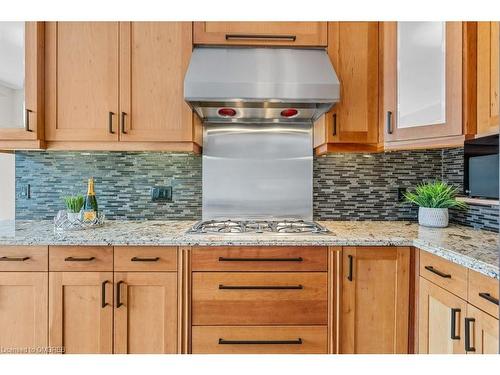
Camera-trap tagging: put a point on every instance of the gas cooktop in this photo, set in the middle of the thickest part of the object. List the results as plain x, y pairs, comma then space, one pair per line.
258, 226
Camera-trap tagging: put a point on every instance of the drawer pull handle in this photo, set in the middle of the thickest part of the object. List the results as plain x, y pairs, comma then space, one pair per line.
389, 122
349, 275
138, 259
75, 259
454, 312
290, 38
110, 122
489, 297
14, 259
468, 347
118, 294
223, 259
266, 287
437, 272
260, 342
103, 294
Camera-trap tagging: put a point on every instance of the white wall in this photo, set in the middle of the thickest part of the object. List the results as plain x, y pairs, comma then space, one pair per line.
7, 187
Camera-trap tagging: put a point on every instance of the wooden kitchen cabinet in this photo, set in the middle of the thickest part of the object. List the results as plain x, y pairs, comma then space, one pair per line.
261, 33
441, 320
421, 85
352, 124
81, 312
375, 300
145, 313
22, 95
118, 86
23, 312
481, 332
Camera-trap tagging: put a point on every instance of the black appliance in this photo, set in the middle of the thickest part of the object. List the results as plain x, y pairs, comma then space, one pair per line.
481, 167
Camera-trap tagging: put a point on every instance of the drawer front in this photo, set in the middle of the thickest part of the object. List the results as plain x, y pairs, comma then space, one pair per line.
307, 258
80, 258
260, 340
24, 258
145, 258
483, 293
237, 298
446, 274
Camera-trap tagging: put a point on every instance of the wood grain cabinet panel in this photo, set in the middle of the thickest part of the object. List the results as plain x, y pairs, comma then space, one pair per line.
375, 300
260, 340
80, 258
145, 258
482, 336
146, 312
24, 258
441, 319
154, 57
259, 298
259, 258
261, 33
23, 312
81, 312
82, 81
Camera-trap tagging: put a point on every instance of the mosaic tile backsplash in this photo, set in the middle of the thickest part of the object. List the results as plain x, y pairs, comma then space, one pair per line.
348, 186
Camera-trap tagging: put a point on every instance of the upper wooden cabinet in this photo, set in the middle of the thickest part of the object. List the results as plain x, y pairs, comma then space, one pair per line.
21, 85
352, 124
261, 33
421, 89
375, 300
118, 86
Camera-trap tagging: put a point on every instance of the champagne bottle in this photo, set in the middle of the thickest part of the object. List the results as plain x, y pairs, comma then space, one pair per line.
90, 206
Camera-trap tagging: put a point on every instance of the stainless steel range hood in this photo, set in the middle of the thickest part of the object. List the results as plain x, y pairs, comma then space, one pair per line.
260, 85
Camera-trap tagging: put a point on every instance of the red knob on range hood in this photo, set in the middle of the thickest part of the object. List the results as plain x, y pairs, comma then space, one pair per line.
226, 112
289, 112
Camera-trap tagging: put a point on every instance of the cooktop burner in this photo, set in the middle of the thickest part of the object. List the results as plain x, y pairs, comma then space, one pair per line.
257, 226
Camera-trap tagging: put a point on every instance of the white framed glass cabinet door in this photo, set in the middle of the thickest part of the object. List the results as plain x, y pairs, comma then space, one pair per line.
422, 80
21, 84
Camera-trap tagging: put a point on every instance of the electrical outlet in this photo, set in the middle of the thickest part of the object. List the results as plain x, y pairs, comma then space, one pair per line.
161, 194
26, 191
401, 191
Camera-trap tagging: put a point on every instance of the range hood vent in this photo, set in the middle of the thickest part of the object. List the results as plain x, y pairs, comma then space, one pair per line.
260, 85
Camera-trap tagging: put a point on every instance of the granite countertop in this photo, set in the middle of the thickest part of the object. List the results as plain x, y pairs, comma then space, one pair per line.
475, 249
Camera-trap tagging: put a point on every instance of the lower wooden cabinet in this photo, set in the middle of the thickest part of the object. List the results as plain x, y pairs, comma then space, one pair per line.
81, 311
441, 316
145, 312
375, 300
23, 312
481, 332
260, 340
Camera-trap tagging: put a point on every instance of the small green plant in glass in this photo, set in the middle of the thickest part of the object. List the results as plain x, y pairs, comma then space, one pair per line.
74, 203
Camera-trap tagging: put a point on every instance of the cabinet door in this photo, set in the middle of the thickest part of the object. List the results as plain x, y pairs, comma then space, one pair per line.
440, 320
487, 77
422, 85
82, 81
375, 300
21, 84
261, 33
146, 312
23, 311
481, 336
154, 57
81, 311
353, 49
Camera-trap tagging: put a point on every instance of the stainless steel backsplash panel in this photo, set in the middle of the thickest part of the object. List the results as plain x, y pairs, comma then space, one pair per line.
257, 171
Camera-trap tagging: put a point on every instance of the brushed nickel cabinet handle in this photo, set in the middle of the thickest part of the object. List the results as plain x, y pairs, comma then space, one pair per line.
437, 272
76, 259
14, 259
257, 287
260, 342
290, 38
27, 123
224, 259
110, 123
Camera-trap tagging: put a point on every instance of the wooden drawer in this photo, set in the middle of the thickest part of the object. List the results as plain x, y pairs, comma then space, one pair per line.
238, 298
483, 292
80, 258
145, 258
446, 274
24, 258
260, 340
234, 258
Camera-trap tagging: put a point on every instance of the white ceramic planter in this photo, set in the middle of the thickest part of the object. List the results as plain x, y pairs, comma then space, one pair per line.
433, 217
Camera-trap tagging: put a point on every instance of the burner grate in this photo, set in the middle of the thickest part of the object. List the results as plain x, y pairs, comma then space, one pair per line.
257, 226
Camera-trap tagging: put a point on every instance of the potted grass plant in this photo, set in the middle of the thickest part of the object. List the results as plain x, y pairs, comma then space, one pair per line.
74, 205
434, 199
